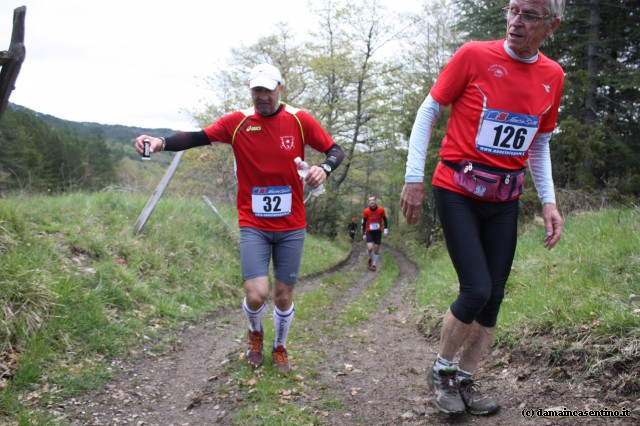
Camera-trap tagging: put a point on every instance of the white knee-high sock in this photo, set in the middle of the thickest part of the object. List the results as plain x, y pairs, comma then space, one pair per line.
282, 322
254, 317
375, 258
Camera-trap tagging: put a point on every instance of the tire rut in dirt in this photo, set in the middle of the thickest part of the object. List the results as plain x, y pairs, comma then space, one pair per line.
178, 384
375, 369
160, 389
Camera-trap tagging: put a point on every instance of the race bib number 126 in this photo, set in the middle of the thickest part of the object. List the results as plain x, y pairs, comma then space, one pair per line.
506, 133
271, 201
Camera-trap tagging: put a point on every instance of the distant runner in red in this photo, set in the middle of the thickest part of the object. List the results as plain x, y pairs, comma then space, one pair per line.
374, 225
266, 138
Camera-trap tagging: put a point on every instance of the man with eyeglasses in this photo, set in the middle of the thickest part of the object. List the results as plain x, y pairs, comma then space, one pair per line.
504, 97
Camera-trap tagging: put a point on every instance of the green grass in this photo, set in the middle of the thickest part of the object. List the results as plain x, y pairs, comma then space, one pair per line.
585, 286
272, 399
78, 287
367, 304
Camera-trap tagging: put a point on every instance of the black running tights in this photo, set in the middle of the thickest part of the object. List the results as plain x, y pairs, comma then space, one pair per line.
481, 239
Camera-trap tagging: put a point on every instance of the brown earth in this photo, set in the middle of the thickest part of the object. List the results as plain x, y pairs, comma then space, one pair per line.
376, 370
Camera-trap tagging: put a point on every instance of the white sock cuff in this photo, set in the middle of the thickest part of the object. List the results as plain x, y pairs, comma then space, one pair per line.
442, 362
284, 314
464, 373
249, 311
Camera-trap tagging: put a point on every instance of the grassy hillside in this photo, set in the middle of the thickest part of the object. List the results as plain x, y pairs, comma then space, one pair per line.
587, 285
78, 287
576, 305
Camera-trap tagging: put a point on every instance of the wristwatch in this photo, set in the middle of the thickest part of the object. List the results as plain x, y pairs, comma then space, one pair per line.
327, 168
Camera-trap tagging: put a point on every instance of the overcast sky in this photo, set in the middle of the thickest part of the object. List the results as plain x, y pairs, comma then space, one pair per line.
136, 62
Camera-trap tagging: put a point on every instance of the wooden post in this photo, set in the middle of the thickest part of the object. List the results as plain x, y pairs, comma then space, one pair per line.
212, 207
151, 204
11, 60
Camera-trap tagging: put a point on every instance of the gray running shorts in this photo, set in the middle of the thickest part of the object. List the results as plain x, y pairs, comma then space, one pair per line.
258, 247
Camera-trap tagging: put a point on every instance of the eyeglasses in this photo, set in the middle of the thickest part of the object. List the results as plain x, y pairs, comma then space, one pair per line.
526, 18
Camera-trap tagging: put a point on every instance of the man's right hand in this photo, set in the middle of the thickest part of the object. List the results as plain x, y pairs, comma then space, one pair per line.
155, 144
411, 201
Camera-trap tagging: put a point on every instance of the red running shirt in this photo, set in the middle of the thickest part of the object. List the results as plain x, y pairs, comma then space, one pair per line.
374, 218
498, 105
269, 194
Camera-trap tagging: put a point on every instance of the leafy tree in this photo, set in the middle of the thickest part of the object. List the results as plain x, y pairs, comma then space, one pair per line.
429, 45
347, 61
597, 45
481, 19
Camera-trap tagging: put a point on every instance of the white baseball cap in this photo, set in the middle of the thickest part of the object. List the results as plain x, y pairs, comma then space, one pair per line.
265, 75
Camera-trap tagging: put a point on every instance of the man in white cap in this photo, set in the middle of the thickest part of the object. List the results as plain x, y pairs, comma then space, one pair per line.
266, 139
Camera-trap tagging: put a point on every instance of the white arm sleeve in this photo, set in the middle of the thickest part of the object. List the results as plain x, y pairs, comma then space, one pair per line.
419, 139
540, 168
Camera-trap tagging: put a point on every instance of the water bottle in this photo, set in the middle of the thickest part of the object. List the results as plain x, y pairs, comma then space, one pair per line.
303, 169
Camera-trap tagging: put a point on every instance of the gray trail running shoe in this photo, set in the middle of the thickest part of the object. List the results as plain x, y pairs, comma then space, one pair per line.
444, 386
476, 402
281, 360
255, 356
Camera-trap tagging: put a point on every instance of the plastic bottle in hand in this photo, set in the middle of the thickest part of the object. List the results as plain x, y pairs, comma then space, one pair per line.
303, 169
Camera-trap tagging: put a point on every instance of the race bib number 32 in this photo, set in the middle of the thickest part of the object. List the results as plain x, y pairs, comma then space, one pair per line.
271, 201
506, 133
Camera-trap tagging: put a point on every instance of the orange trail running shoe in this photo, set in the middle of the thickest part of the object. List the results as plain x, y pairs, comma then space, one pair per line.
281, 360
255, 356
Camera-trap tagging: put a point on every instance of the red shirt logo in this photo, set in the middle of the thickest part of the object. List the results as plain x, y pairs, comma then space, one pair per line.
287, 142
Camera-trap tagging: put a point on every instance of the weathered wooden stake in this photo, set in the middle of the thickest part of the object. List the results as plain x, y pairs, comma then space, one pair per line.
233, 231
11, 60
146, 212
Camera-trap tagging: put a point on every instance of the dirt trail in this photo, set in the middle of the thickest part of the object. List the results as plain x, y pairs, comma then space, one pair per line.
376, 370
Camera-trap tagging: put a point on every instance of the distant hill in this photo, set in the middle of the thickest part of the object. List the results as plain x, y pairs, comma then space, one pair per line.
43, 153
112, 133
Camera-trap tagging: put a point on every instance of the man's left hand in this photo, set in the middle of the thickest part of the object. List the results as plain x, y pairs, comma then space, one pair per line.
411, 201
315, 177
552, 224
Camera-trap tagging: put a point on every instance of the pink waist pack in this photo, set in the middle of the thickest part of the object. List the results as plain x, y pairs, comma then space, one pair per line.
485, 182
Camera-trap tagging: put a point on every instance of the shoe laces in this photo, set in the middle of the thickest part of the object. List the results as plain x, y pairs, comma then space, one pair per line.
471, 388
280, 355
256, 341
449, 384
